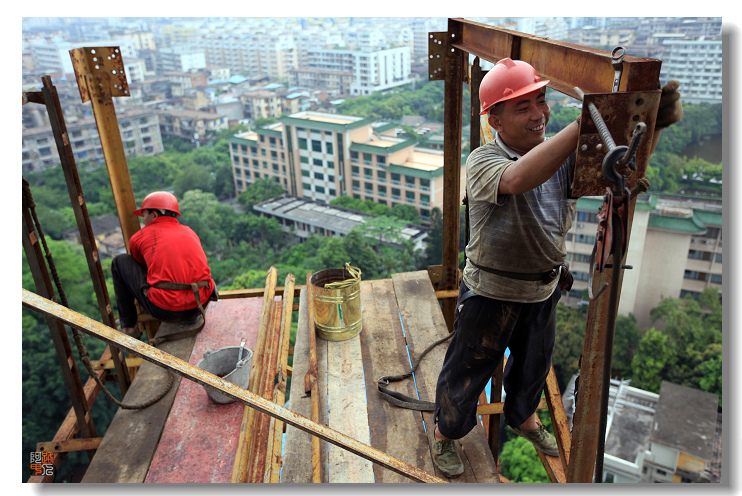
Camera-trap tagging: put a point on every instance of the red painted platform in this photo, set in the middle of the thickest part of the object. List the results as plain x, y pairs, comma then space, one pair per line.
199, 440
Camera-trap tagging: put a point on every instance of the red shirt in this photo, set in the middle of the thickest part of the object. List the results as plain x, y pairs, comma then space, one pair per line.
172, 252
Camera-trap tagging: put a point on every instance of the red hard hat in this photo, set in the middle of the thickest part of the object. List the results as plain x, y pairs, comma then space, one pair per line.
159, 199
508, 79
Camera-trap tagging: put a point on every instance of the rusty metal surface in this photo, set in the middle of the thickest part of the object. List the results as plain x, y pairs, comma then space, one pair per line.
241, 466
621, 113
193, 373
99, 71
99, 85
437, 56
82, 444
79, 207
566, 65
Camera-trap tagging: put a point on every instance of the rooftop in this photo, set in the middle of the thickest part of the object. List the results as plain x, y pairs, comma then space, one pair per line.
686, 420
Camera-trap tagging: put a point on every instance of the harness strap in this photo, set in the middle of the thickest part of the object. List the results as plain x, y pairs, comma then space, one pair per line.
400, 399
181, 286
539, 276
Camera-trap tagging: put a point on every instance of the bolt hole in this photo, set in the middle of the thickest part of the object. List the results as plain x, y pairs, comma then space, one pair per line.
635, 118
599, 147
113, 71
92, 51
606, 118
583, 148
97, 67
640, 102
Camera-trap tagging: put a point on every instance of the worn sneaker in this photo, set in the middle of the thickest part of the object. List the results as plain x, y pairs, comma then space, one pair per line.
540, 438
447, 459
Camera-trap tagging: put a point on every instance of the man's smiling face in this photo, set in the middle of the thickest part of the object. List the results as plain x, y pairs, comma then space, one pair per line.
521, 122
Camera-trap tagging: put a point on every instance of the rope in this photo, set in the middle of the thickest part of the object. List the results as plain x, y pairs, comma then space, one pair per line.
355, 278
29, 203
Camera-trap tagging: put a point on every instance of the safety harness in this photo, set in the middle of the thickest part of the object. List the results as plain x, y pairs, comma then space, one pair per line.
180, 286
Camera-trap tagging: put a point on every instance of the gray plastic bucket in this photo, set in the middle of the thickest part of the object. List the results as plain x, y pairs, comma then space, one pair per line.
224, 363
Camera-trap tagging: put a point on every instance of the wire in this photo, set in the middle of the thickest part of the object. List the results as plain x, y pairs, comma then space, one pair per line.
355, 278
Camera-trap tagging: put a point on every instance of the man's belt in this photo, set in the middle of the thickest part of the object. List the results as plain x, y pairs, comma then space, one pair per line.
521, 276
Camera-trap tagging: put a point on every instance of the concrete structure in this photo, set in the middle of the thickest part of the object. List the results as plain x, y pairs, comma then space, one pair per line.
673, 436
697, 64
180, 59
107, 233
675, 249
140, 133
374, 69
191, 125
303, 218
339, 81
321, 156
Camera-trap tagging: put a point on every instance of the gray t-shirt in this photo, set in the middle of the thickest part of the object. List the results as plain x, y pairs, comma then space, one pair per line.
522, 233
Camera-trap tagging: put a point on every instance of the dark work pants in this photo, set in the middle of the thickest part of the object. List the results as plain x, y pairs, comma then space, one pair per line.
483, 328
129, 282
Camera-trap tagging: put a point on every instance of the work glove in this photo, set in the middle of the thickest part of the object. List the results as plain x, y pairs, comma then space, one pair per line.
671, 110
565, 278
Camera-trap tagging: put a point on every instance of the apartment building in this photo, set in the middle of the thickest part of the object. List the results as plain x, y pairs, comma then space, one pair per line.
181, 81
140, 133
697, 64
337, 81
261, 103
374, 69
675, 249
321, 156
181, 58
191, 125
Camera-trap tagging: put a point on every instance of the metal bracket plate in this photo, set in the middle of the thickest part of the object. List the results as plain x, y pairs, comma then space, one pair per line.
102, 66
621, 112
436, 56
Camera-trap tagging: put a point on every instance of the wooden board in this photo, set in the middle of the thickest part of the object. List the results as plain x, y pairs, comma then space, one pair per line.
399, 432
346, 397
423, 324
199, 440
130, 442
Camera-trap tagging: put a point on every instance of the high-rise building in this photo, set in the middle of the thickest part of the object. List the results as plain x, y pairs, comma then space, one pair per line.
322, 156
697, 64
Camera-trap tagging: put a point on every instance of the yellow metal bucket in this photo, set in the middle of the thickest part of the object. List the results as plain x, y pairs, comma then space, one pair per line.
337, 311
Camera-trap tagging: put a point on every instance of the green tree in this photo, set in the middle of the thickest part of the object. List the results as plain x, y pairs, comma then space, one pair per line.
520, 462
570, 336
193, 177
649, 362
258, 191
625, 341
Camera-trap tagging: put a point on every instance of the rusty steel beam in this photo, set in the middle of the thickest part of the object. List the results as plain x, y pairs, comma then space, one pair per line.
80, 209
100, 77
60, 340
455, 67
282, 375
241, 462
184, 369
81, 444
262, 435
566, 65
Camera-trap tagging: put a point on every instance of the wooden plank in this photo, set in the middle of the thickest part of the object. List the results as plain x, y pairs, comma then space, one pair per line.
346, 396
423, 324
199, 439
396, 431
297, 456
130, 442
322, 355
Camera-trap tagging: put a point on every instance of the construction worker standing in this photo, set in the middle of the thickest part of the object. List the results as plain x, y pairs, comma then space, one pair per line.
520, 211
167, 270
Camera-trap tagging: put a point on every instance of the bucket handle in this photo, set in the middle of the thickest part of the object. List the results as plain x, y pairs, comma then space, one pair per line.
242, 348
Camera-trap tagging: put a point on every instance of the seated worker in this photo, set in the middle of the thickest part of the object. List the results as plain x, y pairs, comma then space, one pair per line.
166, 270
518, 187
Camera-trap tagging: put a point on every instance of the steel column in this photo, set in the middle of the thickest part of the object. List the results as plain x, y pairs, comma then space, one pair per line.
87, 237
100, 77
452, 110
